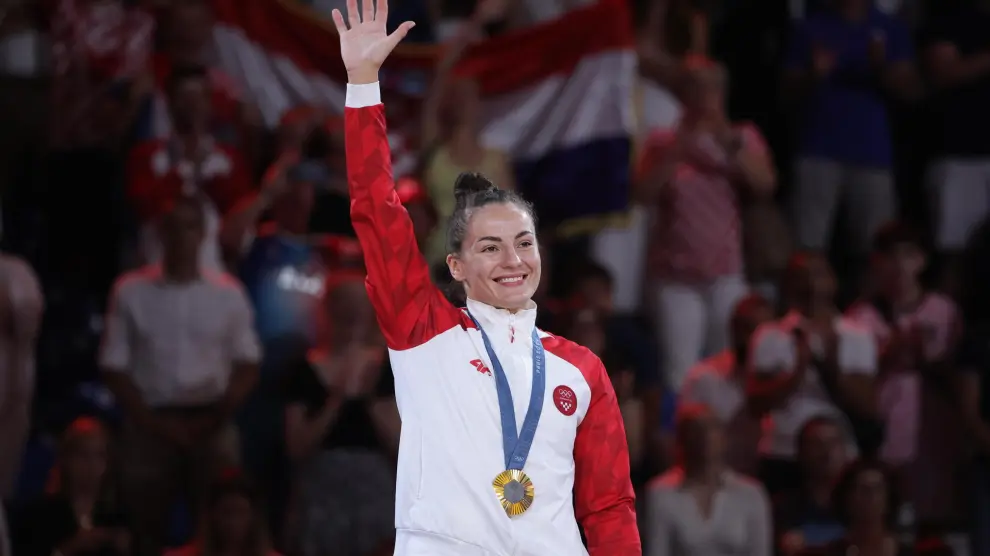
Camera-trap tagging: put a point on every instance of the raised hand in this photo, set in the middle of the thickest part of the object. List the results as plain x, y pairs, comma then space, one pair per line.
364, 44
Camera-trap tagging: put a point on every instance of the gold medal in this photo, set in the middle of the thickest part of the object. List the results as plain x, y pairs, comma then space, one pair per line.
514, 491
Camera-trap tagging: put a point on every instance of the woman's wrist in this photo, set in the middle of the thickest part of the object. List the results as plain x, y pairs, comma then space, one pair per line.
362, 77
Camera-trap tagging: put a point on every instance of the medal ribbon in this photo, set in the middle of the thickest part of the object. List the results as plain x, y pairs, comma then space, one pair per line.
515, 446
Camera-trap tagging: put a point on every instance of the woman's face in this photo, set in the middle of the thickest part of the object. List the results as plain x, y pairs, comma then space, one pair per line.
868, 499
86, 462
233, 518
499, 262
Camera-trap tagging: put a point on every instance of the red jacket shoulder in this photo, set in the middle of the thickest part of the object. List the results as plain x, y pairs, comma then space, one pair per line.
582, 358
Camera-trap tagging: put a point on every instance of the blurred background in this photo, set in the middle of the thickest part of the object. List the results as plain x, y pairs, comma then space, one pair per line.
767, 217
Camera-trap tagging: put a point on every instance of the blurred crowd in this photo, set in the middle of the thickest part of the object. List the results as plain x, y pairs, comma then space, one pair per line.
794, 316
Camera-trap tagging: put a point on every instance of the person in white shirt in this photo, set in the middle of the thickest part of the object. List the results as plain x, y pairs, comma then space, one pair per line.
700, 507
180, 355
812, 362
719, 382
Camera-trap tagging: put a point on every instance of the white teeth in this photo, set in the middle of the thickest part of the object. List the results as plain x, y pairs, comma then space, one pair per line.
510, 280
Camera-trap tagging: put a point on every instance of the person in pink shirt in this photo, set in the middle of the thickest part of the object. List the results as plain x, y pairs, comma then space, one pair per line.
915, 331
697, 176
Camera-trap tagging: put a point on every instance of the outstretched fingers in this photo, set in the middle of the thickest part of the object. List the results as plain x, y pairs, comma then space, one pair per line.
368, 11
338, 21
382, 14
352, 13
399, 34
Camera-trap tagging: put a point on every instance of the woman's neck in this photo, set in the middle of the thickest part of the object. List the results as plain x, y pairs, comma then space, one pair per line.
511, 310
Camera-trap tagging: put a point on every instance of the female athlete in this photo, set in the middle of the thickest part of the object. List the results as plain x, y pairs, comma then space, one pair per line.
511, 437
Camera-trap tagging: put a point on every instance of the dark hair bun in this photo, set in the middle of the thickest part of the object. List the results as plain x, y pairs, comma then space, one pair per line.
469, 183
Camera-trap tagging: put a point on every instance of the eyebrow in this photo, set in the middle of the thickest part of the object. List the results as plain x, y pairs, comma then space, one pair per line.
499, 240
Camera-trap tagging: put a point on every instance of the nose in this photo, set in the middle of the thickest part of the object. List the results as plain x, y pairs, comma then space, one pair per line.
510, 257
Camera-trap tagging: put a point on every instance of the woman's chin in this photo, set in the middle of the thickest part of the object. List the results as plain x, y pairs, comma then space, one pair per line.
515, 301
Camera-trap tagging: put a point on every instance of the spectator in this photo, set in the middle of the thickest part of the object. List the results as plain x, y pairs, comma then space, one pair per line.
866, 501
811, 363
284, 272
700, 508
803, 516
957, 56
101, 53
341, 420
588, 328
697, 176
191, 163
21, 308
450, 134
187, 43
915, 332
279, 262
719, 382
973, 395
232, 521
673, 30
628, 346
296, 125
78, 516
841, 62
332, 204
180, 355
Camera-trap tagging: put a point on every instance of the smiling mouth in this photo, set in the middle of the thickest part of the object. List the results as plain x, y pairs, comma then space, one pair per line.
511, 280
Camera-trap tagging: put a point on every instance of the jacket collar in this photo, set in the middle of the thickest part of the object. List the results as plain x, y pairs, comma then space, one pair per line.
502, 325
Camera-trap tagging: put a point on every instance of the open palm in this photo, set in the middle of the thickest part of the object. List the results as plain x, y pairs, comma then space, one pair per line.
364, 44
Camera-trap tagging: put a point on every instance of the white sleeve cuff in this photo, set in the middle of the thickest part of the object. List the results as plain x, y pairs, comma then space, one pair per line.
362, 96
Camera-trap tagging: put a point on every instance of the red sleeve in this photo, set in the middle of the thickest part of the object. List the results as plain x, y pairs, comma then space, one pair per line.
147, 191
605, 504
410, 309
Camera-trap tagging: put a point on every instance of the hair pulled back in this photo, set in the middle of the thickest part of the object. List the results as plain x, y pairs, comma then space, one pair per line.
472, 191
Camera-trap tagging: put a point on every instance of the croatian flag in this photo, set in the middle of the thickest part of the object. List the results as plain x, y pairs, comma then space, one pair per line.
558, 96
559, 99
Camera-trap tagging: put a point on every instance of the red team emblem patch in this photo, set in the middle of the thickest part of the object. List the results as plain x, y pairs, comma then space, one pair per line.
565, 400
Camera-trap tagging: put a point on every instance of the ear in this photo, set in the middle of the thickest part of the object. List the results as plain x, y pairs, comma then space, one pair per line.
454, 266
